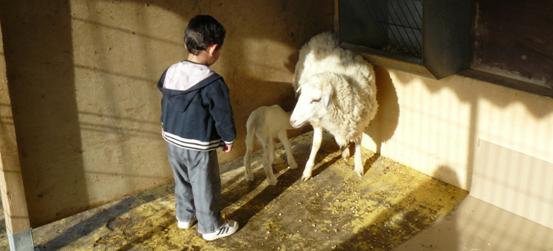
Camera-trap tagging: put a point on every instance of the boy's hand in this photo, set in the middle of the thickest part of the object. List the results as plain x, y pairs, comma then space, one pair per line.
227, 148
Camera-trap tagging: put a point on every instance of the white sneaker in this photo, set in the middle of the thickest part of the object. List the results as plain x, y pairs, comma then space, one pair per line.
186, 224
228, 228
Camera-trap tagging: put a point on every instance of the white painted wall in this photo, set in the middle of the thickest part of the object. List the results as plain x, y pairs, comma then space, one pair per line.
497, 141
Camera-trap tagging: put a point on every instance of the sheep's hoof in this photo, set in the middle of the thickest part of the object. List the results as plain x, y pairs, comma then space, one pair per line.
293, 165
277, 161
305, 177
359, 173
345, 153
272, 182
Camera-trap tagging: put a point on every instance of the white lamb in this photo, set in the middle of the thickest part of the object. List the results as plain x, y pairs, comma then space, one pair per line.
267, 123
337, 92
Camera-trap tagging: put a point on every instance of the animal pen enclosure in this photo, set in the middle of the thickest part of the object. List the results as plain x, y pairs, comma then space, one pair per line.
79, 128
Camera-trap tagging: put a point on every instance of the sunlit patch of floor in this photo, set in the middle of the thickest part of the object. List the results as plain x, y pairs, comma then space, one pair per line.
334, 210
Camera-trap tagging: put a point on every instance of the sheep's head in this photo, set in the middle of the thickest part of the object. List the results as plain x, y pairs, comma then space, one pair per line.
314, 99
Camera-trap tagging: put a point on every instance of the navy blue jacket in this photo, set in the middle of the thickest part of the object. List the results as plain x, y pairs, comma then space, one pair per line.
199, 118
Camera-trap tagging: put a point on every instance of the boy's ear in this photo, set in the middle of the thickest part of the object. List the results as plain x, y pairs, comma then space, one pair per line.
212, 48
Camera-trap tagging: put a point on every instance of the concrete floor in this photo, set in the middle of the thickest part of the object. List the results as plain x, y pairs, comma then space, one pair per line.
390, 207
476, 225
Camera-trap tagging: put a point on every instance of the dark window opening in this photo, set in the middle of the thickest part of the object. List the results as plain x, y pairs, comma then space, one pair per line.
514, 40
431, 36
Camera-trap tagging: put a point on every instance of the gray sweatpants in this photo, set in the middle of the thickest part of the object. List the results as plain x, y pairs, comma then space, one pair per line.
197, 187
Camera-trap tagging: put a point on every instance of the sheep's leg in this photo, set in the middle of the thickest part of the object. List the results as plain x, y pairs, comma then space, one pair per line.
317, 138
289, 156
358, 160
345, 152
268, 157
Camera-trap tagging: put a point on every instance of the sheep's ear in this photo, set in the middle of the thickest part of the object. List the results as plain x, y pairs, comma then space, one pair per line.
326, 98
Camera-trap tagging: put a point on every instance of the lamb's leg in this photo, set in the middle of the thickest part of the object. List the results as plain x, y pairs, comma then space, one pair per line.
247, 157
268, 150
289, 156
358, 160
247, 165
317, 138
275, 160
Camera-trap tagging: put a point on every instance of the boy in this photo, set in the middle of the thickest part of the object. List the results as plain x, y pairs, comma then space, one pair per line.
196, 120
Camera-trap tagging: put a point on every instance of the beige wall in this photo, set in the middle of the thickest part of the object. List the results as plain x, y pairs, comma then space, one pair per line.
14, 204
499, 141
83, 72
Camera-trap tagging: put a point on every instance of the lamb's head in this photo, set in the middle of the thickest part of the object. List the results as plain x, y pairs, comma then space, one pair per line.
314, 99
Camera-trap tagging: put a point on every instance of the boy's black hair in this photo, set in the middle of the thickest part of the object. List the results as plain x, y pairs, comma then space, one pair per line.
202, 31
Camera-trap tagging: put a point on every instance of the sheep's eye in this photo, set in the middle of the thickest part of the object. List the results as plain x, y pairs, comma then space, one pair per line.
315, 100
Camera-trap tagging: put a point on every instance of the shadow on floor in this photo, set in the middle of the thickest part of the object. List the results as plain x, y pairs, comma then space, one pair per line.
285, 180
414, 212
84, 224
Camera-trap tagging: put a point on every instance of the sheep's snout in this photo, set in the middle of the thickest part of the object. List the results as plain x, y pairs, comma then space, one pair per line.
298, 120
294, 123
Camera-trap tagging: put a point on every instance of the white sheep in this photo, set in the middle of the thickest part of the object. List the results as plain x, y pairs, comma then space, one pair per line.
337, 92
267, 123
